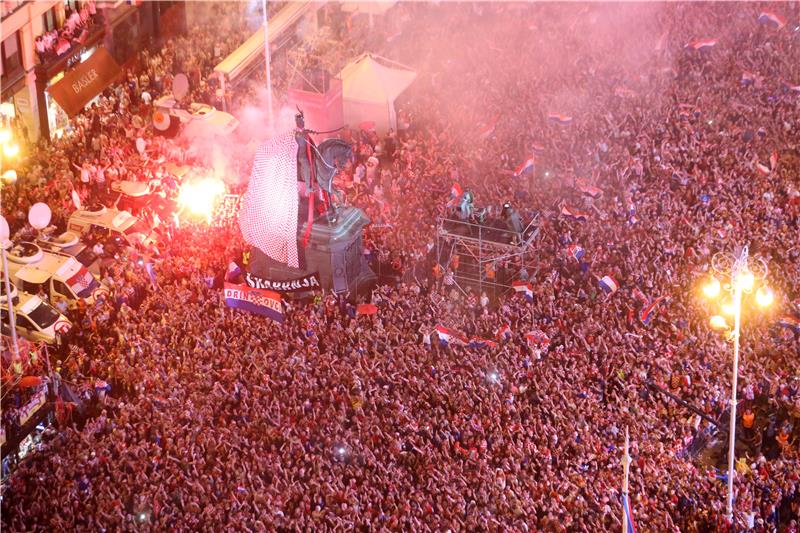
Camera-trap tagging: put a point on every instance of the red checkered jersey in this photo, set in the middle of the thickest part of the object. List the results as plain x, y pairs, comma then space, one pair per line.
268, 215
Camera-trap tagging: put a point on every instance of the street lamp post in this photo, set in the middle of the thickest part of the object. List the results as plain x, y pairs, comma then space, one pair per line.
743, 274
267, 58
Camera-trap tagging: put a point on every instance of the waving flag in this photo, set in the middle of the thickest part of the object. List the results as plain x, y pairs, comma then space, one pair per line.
477, 342
795, 306
525, 288
649, 311
768, 17
455, 193
449, 336
503, 332
488, 130
527, 166
576, 252
563, 120
608, 284
789, 322
572, 214
702, 44
763, 169
258, 301
748, 78
590, 191
366, 309
537, 339
789, 87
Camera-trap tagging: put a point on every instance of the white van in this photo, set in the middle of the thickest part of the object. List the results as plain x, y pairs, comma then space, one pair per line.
36, 320
69, 244
110, 224
59, 276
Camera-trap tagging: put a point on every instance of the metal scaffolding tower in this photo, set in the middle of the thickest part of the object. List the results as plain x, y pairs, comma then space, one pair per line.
473, 251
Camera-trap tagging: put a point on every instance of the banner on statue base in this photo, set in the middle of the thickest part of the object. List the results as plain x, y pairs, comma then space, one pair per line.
306, 283
258, 301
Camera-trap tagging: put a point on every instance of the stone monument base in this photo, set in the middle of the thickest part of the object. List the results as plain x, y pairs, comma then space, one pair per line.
334, 251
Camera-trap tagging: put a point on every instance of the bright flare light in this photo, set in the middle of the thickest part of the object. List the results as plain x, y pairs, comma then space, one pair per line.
764, 297
9, 176
727, 308
11, 150
199, 197
5, 135
746, 281
711, 289
719, 322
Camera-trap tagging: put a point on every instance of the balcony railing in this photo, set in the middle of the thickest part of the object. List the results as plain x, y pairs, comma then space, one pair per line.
9, 7
66, 48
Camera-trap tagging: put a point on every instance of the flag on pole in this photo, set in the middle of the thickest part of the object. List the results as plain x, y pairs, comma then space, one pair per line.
773, 159
538, 339
504, 332
563, 120
789, 322
449, 336
576, 251
525, 288
593, 192
527, 166
366, 309
773, 19
455, 194
488, 130
702, 44
648, 311
478, 342
573, 214
608, 284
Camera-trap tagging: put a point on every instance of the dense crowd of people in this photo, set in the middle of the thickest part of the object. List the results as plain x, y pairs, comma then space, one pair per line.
220, 420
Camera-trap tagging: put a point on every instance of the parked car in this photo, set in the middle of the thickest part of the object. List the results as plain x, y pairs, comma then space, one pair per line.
113, 227
57, 276
36, 320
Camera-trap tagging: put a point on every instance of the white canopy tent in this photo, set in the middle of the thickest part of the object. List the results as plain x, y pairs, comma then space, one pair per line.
370, 86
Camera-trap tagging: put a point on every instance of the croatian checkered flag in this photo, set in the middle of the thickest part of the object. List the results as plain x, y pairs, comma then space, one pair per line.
268, 216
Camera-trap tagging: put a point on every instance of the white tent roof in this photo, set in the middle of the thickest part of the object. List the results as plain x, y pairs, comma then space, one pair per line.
371, 79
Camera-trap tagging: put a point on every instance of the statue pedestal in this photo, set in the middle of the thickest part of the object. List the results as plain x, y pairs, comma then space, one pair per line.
335, 251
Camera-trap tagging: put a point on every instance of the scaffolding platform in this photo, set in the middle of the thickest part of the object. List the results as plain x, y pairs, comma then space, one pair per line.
486, 257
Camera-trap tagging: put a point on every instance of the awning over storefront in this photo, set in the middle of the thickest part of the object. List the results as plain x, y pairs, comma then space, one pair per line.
86, 81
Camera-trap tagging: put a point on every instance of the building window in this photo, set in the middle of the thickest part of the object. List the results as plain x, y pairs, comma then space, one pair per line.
49, 21
11, 56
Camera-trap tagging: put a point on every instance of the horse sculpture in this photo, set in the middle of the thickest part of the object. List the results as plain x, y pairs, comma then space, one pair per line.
328, 158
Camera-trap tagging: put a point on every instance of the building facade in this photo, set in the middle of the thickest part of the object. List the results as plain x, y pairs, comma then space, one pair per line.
44, 39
